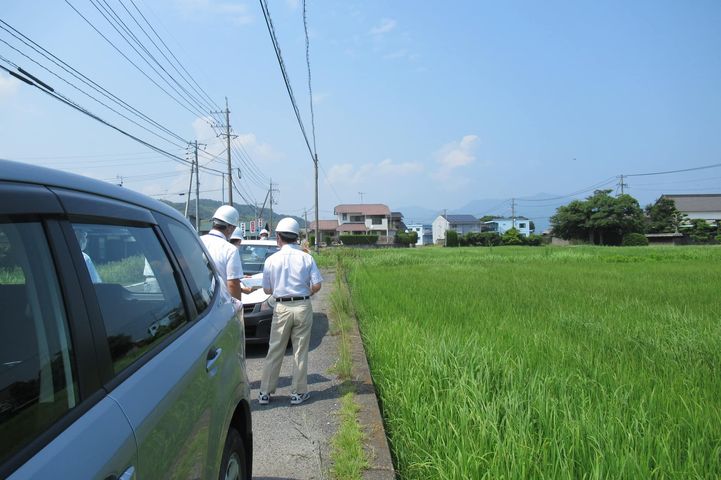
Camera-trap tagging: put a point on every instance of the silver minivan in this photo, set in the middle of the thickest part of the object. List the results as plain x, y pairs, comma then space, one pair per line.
120, 353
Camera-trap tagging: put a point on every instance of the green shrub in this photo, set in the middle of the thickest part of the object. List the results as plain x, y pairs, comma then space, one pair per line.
512, 237
311, 240
634, 240
405, 238
534, 240
359, 239
451, 238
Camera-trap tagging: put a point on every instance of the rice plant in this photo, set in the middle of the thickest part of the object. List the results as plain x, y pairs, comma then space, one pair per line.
545, 363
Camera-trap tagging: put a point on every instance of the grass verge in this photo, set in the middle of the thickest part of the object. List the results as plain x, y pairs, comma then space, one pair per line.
348, 456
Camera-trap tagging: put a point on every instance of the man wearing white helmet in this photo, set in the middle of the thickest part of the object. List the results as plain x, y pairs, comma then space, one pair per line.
223, 253
291, 276
264, 234
236, 238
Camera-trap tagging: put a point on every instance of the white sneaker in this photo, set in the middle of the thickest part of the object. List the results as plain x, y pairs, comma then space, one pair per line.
263, 398
298, 398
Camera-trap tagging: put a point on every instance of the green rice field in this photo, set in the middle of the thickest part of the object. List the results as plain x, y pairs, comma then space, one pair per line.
570, 362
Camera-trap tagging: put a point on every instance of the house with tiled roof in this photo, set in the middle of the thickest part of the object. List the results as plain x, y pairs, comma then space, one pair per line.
365, 218
326, 228
704, 205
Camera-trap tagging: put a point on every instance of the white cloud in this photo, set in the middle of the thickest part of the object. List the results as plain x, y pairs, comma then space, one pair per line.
237, 13
383, 173
8, 86
319, 98
386, 25
458, 154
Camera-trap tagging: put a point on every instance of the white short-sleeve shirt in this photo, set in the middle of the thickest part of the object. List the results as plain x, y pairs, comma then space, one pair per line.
290, 272
224, 254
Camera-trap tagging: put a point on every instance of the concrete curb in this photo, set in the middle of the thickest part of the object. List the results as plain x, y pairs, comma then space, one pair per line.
369, 416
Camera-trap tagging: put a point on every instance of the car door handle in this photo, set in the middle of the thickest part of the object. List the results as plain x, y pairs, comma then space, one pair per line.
213, 356
128, 474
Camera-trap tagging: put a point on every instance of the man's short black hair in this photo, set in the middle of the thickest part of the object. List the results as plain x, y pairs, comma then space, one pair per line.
287, 237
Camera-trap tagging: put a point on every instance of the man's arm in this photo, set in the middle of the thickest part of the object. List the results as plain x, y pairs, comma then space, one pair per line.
235, 289
315, 288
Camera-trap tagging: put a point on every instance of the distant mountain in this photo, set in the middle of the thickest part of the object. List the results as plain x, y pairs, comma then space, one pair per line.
207, 207
417, 214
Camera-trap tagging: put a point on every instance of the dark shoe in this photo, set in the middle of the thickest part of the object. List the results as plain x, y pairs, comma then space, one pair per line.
298, 398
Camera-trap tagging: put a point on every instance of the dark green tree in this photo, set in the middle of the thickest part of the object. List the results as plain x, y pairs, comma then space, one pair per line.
663, 217
601, 218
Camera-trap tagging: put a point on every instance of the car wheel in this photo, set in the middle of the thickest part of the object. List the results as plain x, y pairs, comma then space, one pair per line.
233, 466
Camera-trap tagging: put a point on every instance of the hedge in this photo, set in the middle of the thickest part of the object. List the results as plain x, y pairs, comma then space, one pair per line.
358, 239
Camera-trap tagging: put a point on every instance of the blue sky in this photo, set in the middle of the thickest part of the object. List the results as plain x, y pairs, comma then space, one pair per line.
428, 104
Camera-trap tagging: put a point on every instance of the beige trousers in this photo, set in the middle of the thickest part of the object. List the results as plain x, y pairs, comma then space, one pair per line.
290, 320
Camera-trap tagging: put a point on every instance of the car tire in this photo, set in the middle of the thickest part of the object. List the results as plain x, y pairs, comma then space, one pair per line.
233, 466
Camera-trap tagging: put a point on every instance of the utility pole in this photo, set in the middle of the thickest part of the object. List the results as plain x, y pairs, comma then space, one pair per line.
190, 188
445, 234
317, 222
230, 166
222, 187
228, 136
513, 211
361, 195
305, 215
197, 190
621, 184
270, 224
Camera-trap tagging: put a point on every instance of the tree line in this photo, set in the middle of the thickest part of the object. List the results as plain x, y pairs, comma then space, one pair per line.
604, 219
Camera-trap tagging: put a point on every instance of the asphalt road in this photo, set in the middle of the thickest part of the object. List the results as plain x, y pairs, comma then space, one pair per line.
293, 442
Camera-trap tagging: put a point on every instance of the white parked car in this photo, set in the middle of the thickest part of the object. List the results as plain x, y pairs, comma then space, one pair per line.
257, 305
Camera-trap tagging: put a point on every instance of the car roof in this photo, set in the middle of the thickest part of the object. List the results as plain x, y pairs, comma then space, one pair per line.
261, 243
32, 174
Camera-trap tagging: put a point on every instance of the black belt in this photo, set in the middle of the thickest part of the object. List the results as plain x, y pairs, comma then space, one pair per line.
291, 299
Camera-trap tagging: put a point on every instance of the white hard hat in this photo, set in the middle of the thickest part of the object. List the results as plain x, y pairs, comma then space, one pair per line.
264, 232
227, 214
237, 234
288, 225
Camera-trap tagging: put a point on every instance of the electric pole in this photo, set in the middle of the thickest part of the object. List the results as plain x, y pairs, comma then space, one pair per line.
621, 184
190, 187
445, 234
228, 137
513, 212
270, 224
197, 190
317, 222
305, 215
230, 166
361, 195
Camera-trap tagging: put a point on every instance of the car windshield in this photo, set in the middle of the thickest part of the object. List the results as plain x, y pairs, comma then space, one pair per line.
253, 257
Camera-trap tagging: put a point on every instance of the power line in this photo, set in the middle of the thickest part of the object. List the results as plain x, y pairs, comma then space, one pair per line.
128, 59
188, 97
276, 48
715, 165
310, 88
79, 76
210, 100
43, 87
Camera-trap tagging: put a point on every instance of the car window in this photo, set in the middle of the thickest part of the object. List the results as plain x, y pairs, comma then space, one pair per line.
135, 286
253, 257
195, 263
38, 381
